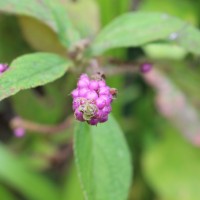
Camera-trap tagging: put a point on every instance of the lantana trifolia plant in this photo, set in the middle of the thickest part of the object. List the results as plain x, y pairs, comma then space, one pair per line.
103, 161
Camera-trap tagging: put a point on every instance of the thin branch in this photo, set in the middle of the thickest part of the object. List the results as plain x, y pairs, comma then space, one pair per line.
41, 128
111, 70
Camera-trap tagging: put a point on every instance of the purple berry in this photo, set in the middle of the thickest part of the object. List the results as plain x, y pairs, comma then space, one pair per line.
146, 67
102, 83
83, 92
75, 93
104, 90
83, 83
84, 76
94, 85
92, 95
110, 97
100, 102
103, 119
77, 102
100, 114
78, 115
107, 109
107, 99
93, 122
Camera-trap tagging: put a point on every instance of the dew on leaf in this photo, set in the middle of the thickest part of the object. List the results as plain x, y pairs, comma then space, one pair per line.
173, 36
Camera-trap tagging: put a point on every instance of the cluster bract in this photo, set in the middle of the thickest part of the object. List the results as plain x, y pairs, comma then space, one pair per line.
92, 100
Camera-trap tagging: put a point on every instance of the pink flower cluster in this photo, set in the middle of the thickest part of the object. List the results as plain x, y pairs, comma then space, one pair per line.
3, 68
92, 100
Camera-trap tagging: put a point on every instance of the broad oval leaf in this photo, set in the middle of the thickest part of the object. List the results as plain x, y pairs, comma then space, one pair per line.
103, 161
32, 70
135, 29
50, 12
14, 173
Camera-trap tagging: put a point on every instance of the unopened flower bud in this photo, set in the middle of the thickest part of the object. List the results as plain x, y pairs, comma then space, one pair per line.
145, 67
19, 132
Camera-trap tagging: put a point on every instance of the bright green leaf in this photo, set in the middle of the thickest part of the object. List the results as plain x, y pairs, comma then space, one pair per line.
135, 29
16, 174
30, 71
184, 9
164, 51
49, 12
103, 161
172, 166
108, 13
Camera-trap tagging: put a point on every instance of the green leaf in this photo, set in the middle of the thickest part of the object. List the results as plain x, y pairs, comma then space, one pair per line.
12, 45
164, 51
30, 184
108, 13
171, 166
135, 29
103, 161
6, 194
87, 23
49, 12
186, 10
72, 188
40, 36
30, 71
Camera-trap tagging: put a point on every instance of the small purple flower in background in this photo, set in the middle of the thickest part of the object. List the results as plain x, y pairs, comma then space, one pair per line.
19, 132
92, 99
3, 68
145, 67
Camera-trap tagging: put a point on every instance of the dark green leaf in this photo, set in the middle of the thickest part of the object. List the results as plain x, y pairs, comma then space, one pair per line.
103, 161
12, 45
30, 71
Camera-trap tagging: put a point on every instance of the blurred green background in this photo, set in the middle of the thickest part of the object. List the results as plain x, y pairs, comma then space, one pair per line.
158, 112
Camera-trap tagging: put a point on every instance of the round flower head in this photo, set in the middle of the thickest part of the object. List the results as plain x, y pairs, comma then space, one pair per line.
92, 99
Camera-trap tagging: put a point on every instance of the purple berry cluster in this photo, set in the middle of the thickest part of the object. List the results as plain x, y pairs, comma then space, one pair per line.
92, 100
3, 68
